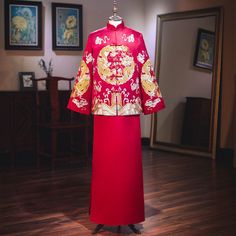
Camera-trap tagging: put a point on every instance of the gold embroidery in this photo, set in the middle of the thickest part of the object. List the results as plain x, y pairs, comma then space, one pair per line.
127, 109
115, 64
130, 109
148, 81
151, 104
80, 103
115, 106
83, 80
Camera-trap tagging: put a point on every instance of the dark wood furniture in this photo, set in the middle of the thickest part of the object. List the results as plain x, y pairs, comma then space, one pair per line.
18, 126
196, 127
60, 132
17, 123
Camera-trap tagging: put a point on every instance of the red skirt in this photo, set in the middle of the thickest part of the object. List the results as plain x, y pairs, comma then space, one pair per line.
117, 179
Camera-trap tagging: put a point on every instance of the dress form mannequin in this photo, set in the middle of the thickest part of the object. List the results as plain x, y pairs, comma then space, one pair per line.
115, 17
115, 20
132, 227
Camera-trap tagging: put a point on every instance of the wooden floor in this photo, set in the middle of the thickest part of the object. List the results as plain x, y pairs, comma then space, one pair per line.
184, 196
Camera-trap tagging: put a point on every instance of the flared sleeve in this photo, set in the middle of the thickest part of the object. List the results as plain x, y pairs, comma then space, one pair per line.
80, 98
152, 100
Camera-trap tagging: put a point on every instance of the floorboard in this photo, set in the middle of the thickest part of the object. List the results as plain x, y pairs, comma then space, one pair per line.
184, 196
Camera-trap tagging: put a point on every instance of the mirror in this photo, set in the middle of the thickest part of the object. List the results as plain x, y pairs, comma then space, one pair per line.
188, 69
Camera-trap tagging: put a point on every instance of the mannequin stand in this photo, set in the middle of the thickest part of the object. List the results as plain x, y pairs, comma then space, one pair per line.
131, 226
98, 227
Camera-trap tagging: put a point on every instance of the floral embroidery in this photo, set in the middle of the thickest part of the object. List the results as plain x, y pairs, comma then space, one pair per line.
100, 40
129, 38
89, 58
135, 85
97, 86
80, 103
141, 58
151, 104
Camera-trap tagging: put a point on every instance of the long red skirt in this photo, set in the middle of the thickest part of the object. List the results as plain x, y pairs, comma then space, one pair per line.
117, 178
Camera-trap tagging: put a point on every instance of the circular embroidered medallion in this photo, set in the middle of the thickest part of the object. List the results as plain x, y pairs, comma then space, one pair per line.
115, 64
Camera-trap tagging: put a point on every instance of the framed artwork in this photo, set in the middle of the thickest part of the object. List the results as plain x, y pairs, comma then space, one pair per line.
205, 49
27, 81
23, 25
67, 27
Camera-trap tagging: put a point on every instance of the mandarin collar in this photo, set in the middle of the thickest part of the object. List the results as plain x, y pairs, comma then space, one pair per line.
112, 27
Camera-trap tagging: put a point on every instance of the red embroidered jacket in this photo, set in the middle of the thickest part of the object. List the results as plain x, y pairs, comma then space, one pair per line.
115, 76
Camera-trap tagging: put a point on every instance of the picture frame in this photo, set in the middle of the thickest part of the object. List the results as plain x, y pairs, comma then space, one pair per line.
205, 49
67, 26
23, 25
27, 81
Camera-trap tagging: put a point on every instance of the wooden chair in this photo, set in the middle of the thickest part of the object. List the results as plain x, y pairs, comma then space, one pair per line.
59, 129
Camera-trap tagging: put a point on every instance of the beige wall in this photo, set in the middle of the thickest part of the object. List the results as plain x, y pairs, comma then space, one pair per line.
155, 7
